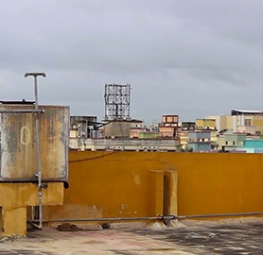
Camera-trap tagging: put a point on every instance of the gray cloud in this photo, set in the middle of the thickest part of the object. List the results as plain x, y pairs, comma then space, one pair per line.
193, 58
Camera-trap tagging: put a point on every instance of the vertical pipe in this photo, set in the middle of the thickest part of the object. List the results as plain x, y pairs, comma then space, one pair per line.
105, 101
32, 213
129, 100
39, 173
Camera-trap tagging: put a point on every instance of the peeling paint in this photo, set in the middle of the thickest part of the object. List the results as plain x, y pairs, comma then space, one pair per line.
18, 156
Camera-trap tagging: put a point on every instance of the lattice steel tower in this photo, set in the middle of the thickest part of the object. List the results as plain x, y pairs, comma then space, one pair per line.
117, 101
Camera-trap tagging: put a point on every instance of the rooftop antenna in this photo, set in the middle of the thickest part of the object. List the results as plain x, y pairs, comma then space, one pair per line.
117, 101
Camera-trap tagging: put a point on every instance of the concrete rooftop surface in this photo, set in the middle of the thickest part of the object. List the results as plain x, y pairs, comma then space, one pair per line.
229, 238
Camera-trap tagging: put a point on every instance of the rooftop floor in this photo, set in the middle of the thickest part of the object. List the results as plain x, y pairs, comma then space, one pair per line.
202, 238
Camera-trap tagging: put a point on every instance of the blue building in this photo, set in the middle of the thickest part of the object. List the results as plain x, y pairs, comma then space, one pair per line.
253, 146
199, 140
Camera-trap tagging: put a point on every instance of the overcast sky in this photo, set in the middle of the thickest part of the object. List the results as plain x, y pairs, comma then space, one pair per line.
188, 57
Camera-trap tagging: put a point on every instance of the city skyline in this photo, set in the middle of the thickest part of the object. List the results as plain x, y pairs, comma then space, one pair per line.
181, 57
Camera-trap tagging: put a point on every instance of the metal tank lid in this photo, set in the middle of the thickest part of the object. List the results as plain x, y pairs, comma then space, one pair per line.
18, 102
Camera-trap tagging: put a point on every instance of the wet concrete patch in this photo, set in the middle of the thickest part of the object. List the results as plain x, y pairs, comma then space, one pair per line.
24, 252
207, 238
227, 239
116, 252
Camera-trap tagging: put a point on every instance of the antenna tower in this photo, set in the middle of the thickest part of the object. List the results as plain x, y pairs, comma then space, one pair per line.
117, 101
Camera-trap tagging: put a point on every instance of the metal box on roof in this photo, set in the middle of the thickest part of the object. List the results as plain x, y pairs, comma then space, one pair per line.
18, 151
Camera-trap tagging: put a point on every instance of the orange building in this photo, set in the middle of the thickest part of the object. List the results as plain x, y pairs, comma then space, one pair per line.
169, 126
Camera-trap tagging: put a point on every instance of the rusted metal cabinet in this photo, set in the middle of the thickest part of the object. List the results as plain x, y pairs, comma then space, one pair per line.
18, 158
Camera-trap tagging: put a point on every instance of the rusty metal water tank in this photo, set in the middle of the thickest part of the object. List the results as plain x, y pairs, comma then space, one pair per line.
18, 158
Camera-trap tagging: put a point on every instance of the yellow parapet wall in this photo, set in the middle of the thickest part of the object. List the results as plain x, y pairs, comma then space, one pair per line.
106, 184
16, 197
132, 184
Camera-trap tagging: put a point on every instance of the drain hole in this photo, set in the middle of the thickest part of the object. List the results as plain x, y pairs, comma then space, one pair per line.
105, 226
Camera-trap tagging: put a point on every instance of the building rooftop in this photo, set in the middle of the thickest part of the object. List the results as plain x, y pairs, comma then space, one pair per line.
125, 120
250, 112
200, 131
229, 236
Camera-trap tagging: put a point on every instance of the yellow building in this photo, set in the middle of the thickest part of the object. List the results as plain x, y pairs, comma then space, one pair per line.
183, 138
256, 122
183, 132
221, 141
208, 124
240, 121
223, 121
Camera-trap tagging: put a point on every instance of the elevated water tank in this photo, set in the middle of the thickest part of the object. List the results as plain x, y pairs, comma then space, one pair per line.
18, 151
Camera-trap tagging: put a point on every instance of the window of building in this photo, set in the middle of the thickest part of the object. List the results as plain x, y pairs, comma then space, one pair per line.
226, 142
247, 122
234, 143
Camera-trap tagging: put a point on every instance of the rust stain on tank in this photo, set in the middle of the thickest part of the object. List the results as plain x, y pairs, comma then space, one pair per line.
18, 159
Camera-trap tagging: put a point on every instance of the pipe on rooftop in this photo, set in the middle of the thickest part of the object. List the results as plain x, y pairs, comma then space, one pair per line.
219, 215
170, 217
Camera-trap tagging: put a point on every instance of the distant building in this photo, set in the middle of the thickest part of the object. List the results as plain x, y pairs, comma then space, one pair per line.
123, 128
136, 127
199, 140
183, 131
246, 113
187, 126
209, 125
250, 122
169, 126
123, 144
234, 141
223, 122
117, 129
148, 135
253, 146
205, 124
84, 127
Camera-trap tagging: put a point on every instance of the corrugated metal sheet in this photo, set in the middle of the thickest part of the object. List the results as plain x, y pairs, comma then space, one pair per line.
18, 159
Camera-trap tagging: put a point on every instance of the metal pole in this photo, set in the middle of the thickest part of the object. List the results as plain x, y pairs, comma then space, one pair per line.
244, 214
39, 170
36, 94
171, 217
39, 174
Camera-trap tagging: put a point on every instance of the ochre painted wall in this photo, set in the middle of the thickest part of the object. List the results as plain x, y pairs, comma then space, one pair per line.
107, 187
16, 197
257, 121
204, 123
26, 194
120, 184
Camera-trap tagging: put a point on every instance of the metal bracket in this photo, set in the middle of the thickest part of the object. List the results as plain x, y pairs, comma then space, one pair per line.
22, 111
